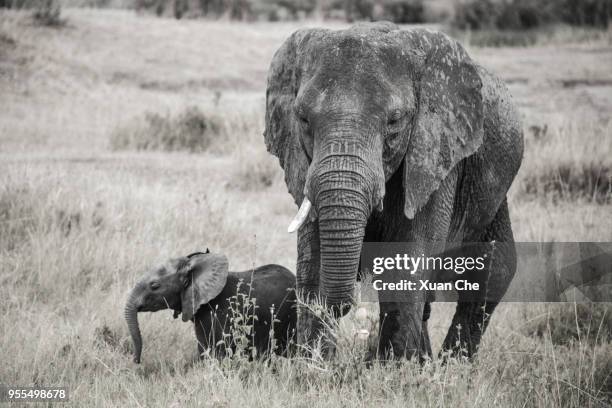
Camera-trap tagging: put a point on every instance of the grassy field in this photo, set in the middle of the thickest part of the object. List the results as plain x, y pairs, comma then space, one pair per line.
81, 216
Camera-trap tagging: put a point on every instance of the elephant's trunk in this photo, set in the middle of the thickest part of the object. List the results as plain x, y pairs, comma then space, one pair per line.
344, 191
131, 317
341, 241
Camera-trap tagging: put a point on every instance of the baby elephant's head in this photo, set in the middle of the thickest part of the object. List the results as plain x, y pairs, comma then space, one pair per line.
182, 284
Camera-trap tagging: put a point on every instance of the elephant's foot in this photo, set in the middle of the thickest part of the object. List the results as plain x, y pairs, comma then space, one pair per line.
468, 326
425, 344
312, 334
401, 332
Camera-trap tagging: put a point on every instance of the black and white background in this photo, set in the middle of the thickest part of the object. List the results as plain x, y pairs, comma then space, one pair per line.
129, 135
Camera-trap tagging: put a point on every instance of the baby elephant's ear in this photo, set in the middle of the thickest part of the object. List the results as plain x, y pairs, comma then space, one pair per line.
206, 275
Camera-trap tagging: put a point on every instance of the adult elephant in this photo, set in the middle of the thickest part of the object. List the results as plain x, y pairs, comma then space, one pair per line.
391, 135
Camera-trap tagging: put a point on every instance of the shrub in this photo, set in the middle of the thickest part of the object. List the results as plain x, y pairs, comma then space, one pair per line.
240, 9
404, 11
398, 11
595, 13
475, 14
355, 9
16, 4
527, 14
293, 7
47, 13
191, 130
521, 14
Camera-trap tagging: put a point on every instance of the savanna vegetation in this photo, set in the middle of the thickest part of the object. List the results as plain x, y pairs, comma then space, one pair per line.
118, 151
505, 15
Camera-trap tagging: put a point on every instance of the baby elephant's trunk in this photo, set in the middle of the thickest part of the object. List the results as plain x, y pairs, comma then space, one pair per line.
131, 316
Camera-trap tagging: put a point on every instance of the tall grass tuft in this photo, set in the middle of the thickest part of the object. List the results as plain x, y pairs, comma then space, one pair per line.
572, 323
582, 166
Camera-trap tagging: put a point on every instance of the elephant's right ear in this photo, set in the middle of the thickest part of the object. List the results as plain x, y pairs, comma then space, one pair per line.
205, 276
282, 130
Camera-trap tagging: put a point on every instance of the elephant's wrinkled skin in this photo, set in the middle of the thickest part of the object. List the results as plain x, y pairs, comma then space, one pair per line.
200, 287
394, 136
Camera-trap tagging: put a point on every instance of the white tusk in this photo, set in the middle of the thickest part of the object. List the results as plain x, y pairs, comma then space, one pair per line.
301, 216
361, 314
363, 334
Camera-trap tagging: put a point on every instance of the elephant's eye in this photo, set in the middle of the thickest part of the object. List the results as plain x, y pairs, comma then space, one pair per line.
396, 120
301, 116
155, 285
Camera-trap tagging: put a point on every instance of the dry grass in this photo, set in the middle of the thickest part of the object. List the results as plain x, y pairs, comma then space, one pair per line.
560, 166
556, 34
79, 222
191, 130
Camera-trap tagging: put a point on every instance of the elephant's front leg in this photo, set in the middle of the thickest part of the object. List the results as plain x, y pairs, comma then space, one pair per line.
425, 341
404, 314
474, 311
402, 332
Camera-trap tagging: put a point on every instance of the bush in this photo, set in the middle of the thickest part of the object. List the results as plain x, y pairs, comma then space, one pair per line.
596, 13
245, 10
527, 14
523, 14
192, 130
475, 15
404, 11
47, 13
293, 7
353, 9
398, 11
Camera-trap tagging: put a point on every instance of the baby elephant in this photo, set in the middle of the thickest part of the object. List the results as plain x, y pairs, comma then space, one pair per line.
200, 287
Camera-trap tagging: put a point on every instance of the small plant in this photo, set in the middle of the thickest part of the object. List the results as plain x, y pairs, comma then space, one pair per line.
241, 324
326, 345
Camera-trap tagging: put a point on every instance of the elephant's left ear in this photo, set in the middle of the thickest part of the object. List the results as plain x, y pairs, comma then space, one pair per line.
282, 132
448, 125
206, 276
